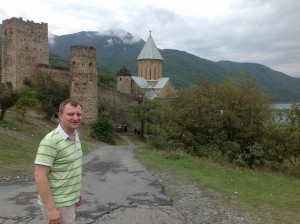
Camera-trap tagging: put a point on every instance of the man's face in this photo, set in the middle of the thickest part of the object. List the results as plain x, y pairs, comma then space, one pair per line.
71, 117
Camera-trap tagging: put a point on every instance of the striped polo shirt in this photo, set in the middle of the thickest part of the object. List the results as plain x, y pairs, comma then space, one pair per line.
58, 151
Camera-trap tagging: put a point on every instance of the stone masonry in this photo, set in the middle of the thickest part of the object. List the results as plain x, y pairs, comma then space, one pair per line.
25, 52
24, 46
84, 80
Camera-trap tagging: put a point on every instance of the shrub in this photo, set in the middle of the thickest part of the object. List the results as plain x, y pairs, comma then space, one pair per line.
158, 141
103, 129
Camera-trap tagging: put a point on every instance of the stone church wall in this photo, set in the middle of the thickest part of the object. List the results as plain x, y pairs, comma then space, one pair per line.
167, 92
150, 69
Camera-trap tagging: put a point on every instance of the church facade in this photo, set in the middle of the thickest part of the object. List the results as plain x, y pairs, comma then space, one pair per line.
149, 81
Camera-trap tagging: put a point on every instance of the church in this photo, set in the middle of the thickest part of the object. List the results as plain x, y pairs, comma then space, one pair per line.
149, 82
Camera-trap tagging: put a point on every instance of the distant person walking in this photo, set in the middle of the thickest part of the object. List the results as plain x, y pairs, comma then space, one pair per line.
58, 167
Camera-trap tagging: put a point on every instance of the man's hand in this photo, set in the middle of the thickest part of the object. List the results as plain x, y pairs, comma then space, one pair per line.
53, 216
79, 203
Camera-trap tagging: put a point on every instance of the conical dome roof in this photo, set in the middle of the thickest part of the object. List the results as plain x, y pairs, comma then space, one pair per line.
150, 50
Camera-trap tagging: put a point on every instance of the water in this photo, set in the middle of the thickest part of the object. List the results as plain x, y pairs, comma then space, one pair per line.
282, 105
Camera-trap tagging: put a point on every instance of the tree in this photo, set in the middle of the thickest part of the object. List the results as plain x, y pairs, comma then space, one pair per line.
108, 79
282, 138
50, 93
8, 98
228, 118
246, 109
103, 129
146, 112
193, 119
26, 101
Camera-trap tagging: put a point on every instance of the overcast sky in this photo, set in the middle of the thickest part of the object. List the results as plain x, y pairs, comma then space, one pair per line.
259, 31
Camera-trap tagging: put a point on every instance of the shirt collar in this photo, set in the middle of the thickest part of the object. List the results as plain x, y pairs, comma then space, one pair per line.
64, 135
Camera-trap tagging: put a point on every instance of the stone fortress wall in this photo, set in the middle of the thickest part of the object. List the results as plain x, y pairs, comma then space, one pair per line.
25, 52
58, 74
24, 46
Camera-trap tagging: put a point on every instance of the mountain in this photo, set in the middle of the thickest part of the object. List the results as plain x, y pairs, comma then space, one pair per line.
113, 46
279, 85
118, 48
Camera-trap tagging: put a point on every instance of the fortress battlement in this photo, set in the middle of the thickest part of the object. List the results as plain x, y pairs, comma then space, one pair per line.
15, 20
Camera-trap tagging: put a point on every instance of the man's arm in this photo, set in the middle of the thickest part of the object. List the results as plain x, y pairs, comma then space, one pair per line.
43, 187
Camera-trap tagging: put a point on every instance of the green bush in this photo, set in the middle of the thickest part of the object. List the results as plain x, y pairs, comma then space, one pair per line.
103, 129
158, 141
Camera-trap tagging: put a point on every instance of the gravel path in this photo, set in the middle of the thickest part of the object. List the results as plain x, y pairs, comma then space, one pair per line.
200, 207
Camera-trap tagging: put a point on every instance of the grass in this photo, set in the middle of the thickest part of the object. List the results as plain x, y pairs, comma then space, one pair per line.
19, 141
269, 195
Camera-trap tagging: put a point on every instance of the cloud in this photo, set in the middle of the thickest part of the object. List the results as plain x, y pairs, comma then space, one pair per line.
126, 37
260, 31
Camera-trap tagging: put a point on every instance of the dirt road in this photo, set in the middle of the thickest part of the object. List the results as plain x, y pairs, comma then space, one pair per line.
116, 189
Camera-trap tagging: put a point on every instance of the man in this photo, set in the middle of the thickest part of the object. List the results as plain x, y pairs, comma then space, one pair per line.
58, 167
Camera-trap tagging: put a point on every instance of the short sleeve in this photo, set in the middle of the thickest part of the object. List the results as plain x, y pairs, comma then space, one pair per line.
46, 153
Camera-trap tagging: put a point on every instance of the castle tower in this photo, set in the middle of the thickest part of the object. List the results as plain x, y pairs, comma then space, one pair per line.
150, 61
124, 81
84, 80
24, 46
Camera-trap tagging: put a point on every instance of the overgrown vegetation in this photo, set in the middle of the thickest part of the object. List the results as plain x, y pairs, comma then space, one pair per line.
231, 123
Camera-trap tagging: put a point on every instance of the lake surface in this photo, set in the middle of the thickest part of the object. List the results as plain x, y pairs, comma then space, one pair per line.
282, 105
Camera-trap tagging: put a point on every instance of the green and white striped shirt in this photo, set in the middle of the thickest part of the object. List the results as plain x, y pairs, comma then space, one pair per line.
58, 151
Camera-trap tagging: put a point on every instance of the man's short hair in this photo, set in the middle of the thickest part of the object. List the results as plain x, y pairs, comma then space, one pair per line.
73, 103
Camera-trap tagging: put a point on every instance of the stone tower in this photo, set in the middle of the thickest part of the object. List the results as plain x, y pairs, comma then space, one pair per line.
124, 81
150, 61
24, 46
84, 80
